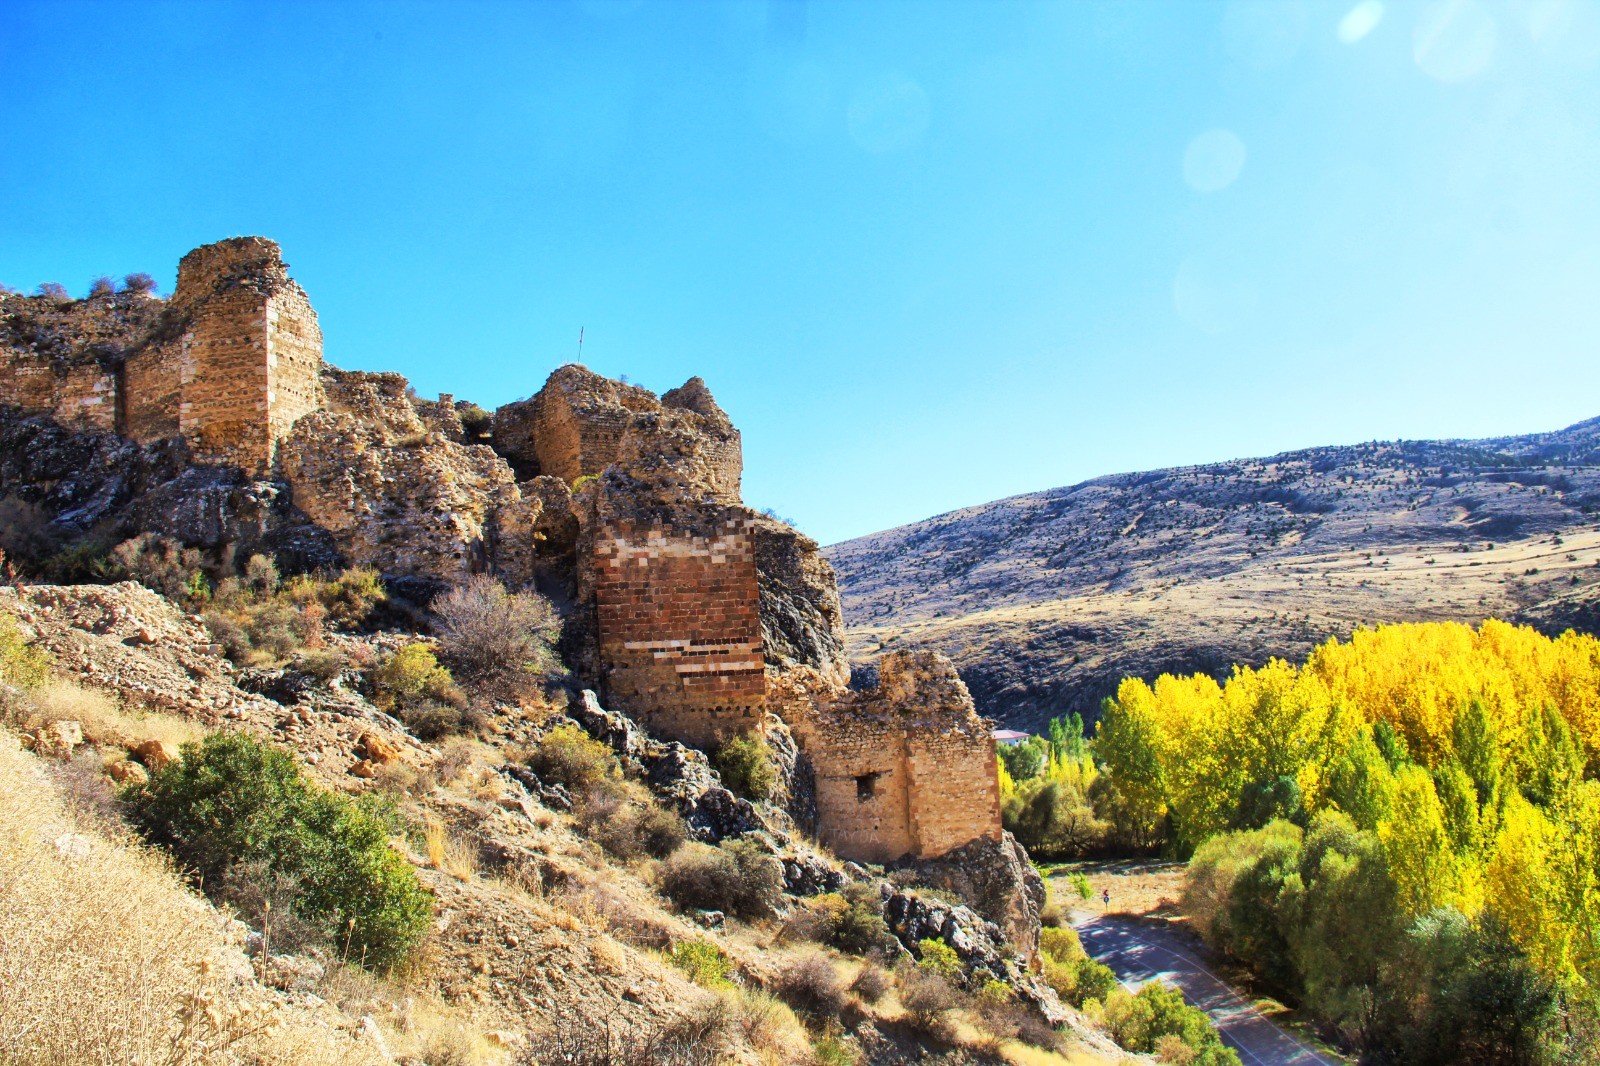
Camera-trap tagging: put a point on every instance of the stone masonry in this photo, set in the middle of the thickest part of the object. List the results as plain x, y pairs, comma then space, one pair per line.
691, 612
906, 770
680, 628
233, 361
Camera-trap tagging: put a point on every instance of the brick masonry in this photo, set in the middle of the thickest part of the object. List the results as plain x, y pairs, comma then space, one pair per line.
680, 626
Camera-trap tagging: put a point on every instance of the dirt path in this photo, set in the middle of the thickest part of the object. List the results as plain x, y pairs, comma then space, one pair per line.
1139, 950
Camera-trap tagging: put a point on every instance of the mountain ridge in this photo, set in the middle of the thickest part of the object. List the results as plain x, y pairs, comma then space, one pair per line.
1045, 599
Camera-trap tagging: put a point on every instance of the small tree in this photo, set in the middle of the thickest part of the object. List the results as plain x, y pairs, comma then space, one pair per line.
54, 290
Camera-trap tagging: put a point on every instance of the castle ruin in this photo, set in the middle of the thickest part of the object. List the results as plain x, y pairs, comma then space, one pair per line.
701, 618
235, 362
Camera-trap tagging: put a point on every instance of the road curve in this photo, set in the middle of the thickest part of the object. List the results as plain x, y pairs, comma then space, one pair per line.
1138, 951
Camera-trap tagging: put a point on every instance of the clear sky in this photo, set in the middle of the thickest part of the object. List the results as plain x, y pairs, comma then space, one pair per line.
926, 254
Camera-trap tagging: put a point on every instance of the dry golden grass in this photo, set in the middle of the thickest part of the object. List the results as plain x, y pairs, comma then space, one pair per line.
105, 957
104, 720
447, 853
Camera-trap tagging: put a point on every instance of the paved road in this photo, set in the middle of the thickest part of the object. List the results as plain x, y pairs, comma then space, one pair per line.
1138, 951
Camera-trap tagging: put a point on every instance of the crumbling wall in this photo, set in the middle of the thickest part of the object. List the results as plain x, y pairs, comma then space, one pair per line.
61, 357
572, 427
679, 628
905, 771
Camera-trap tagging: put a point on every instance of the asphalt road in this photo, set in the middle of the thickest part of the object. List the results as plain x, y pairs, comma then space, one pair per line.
1138, 951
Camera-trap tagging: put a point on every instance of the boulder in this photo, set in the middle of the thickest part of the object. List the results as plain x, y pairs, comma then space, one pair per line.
376, 749
156, 754
58, 738
364, 769
127, 772
997, 880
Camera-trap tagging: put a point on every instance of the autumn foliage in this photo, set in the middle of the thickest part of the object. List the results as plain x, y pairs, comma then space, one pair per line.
1418, 781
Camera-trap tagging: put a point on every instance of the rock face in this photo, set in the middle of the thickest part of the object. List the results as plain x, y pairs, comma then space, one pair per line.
399, 491
996, 878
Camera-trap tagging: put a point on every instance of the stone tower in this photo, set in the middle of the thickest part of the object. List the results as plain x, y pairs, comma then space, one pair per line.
251, 357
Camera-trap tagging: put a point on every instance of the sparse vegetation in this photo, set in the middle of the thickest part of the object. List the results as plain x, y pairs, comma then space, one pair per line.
491, 635
737, 878
747, 766
233, 802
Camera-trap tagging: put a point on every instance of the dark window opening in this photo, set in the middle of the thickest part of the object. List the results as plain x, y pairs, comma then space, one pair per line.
867, 786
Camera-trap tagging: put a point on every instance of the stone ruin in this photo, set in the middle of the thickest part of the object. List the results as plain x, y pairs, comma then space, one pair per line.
212, 418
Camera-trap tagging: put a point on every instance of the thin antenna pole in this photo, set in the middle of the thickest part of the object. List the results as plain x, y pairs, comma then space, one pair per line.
580, 344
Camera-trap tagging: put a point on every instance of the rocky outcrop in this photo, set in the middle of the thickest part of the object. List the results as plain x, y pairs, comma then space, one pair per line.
679, 775
801, 623
913, 918
402, 496
999, 882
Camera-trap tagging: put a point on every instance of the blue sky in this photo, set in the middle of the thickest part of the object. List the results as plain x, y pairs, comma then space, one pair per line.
926, 255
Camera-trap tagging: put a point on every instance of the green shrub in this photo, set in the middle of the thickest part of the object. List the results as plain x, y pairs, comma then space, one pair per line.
703, 962
412, 674
935, 956
859, 927
1157, 1016
832, 1051
233, 801
349, 599
747, 766
21, 664
737, 878
571, 758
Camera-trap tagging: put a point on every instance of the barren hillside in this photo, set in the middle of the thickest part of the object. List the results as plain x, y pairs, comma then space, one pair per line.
1046, 600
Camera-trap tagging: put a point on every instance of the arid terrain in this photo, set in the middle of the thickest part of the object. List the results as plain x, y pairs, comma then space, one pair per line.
1046, 600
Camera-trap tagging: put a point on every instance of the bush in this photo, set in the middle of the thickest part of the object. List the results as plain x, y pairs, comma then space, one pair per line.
410, 675
21, 664
747, 766
489, 633
872, 983
703, 962
233, 801
811, 985
935, 956
102, 286
927, 998
164, 565
1158, 1019
138, 283
54, 290
348, 599
629, 824
571, 758
737, 878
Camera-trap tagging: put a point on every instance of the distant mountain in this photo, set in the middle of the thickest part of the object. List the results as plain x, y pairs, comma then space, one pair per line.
1046, 600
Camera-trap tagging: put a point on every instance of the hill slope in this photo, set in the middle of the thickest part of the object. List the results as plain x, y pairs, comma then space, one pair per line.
1045, 600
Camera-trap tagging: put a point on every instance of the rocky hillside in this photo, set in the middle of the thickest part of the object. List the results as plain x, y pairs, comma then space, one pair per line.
1046, 600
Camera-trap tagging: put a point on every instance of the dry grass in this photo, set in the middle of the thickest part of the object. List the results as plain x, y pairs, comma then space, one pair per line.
105, 957
105, 721
448, 853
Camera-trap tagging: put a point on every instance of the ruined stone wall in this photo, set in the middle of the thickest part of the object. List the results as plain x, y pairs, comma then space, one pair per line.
679, 626
954, 787
294, 360
905, 771
252, 354
863, 785
80, 396
150, 391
